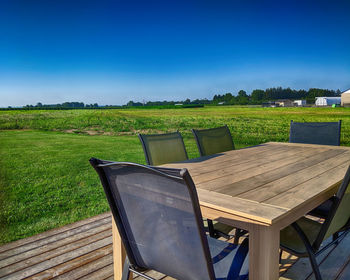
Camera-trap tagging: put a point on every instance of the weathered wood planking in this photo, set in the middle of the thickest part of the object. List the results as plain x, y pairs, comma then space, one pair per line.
274, 170
47, 234
333, 264
294, 178
269, 190
229, 204
57, 251
263, 184
280, 175
56, 248
97, 262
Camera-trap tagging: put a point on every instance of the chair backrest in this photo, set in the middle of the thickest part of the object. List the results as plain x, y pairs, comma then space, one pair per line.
214, 140
163, 148
321, 133
339, 214
158, 217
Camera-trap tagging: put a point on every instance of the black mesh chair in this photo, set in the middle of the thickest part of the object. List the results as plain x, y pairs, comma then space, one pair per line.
167, 148
213, 140
163, 148
158, 217
304, 237
321, 133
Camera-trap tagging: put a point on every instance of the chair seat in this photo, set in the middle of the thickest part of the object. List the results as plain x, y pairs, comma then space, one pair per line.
226, 257
290, 240
322, 210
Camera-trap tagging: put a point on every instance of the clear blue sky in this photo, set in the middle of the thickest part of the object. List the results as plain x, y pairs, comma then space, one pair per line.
110, 52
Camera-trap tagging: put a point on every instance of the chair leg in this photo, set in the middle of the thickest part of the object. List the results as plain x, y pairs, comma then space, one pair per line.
335, 237
314, 266
309, 250
211, 229
238, 234
126, 270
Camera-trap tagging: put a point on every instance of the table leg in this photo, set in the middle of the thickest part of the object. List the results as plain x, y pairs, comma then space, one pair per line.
264, 242
119, 253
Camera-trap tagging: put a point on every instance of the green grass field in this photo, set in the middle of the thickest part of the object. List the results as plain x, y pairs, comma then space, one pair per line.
46, 180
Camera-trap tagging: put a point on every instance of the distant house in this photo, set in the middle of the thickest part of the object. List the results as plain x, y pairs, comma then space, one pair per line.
345, 98
327, 101
299, 103
221, 103
269, 104
284, 103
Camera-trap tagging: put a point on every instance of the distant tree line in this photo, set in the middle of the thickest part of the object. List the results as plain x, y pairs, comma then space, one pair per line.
65, 105
257, 96
170, 103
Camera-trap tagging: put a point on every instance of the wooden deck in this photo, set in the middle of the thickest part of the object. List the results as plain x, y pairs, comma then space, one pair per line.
83, 250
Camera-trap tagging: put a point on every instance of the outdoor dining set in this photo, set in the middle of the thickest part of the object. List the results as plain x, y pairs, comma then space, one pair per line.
228, 214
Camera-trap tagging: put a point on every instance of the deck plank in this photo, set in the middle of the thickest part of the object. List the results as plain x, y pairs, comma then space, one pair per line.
76, 263
54, 236
83, 259
65, 249
45, 265
21, 242
56, 248
102, 273
88, 268
331, 262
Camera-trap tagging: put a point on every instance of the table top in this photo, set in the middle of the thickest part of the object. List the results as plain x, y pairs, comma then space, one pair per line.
269, 181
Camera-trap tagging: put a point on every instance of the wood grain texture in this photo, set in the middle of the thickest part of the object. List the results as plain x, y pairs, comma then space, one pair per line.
52, 233
269, 190
261, 189
25, 262
50, 250
97, 264
50, 263
280, 175
119, 254
264, 243
265, 188
253, 210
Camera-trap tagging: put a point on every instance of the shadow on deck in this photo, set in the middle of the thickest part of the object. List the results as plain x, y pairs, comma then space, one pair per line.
83, 250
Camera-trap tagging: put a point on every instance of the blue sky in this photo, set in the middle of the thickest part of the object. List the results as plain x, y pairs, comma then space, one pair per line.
110, 52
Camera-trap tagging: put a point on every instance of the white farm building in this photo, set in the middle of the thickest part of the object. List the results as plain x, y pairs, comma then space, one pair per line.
299, 103
327, 101
345, 98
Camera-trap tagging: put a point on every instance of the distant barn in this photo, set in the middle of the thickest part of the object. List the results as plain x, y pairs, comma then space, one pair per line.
299, 103
284, 103
345, 98
327, 101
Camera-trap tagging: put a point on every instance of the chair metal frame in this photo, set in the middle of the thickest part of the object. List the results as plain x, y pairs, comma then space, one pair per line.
313, 250
212, 232
177, 175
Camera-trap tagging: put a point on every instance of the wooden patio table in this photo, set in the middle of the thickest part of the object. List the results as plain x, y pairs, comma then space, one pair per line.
261, 189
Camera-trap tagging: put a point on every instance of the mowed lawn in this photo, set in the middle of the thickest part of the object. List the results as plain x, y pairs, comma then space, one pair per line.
45, 177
